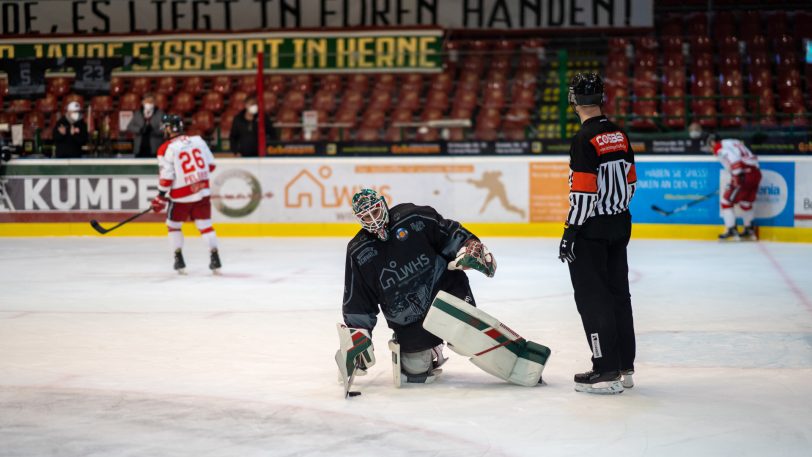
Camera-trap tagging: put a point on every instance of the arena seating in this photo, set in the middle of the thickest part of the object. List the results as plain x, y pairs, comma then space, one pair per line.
741, 69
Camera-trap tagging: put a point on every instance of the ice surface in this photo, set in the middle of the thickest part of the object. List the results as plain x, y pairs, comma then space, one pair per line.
105, 351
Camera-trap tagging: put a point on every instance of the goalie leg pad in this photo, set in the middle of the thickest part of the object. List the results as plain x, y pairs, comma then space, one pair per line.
492, 346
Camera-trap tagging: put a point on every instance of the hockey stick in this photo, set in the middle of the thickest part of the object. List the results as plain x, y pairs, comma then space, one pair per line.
95, 224
685, 206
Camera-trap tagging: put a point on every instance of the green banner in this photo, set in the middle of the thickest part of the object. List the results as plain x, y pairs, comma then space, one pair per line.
378, 51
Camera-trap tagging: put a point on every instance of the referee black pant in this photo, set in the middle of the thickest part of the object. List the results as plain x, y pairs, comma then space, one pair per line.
600, 278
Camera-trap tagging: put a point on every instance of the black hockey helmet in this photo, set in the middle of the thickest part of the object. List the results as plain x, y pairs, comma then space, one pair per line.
710, 138
586, 89
172, 122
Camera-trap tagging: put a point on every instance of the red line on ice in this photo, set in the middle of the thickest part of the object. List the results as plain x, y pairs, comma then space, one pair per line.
795, 289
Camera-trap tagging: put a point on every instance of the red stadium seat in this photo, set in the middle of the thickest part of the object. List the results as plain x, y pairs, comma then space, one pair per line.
116, 86
276, 84
493, 98
294, 100
236, 101
140, 85
381, 99
166, 85
442, 81
408, 100
777, 24
302, 83
47, 104
213, 101
352, 100
130, 102
161, 101
671, 25
269, 101
466, 99
431, 114
193, 85
33, 121
247, 84
58, 86
750, 24
701, 45
373, 118
221, 84
324, 100
358, 82
203, 120
183, 103
331, 82
101, 104
385, 81
674, 113
705, 113
437, 99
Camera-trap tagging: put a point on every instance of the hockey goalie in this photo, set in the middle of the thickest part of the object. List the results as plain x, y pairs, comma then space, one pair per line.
409, 263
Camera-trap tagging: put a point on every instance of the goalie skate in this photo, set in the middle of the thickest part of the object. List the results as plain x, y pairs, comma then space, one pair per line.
592, 382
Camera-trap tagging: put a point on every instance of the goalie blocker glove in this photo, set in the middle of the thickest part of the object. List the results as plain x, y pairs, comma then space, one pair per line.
474, 255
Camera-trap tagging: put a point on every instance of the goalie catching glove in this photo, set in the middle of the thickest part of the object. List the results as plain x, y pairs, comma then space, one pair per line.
474, 255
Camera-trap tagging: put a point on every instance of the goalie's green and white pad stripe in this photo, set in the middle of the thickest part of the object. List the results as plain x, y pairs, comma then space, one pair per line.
355, 345
492, 346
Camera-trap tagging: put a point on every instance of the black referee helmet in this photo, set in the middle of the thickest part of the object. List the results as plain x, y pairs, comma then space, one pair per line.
586, 89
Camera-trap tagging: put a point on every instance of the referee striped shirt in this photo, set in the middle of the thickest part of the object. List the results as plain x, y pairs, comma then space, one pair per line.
602, 175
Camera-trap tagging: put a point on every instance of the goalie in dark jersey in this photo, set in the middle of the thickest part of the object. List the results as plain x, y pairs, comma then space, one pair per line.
408, 262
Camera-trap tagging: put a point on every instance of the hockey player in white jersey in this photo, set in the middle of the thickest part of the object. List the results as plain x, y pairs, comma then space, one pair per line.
185, 163
741, 190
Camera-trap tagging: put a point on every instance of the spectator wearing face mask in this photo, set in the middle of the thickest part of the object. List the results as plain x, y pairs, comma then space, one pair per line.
243, 136
70, 133
146, 128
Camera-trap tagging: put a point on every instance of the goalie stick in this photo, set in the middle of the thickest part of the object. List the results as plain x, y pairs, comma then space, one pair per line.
678, 209
350, 377
95, 224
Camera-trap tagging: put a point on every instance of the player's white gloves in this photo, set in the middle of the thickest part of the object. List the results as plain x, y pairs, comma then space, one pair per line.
474, 255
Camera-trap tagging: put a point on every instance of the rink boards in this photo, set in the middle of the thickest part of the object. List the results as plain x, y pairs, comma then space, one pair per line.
495, 196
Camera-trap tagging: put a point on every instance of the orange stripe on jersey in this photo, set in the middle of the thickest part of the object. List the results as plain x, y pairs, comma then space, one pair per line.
610, 142
584, 182
631, 177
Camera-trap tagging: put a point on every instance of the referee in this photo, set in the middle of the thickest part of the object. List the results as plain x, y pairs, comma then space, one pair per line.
598, 227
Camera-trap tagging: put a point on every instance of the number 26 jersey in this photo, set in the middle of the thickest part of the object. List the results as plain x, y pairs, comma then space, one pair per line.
184, 165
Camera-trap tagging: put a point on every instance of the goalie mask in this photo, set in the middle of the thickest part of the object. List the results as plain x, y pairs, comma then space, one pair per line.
371, 211
585, 89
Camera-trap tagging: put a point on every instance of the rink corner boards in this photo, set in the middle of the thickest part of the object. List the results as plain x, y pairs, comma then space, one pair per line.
347, 230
